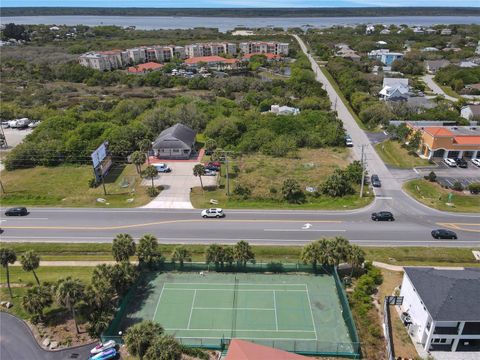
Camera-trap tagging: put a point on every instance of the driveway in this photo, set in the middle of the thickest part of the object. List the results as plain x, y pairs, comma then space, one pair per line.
428, 80
177, 185
17, 343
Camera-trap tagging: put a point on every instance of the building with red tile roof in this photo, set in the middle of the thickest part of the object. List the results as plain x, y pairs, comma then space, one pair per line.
145, 68
449, 141
245, 350
212, 62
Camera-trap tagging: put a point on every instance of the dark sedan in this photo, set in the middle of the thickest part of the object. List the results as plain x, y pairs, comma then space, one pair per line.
18, 211
375, 180
461, 163
444, 234
383, 216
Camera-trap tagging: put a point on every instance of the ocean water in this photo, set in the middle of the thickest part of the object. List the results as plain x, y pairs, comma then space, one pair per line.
229, 23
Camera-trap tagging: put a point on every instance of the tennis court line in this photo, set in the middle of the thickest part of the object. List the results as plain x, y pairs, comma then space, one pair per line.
191, 308
231, 284
158, 302
244, 338
239, 290
246, 330
311, 313
275, 306
229, 308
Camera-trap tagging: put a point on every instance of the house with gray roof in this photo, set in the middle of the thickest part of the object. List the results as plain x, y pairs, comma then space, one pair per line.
394, 89
470, 112
432, 66
176, 142
444, 307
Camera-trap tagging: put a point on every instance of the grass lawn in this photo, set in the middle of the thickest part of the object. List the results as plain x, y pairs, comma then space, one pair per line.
433, 195
263, 253
68, 186
393, 153
264, 176
344, 100
449, 91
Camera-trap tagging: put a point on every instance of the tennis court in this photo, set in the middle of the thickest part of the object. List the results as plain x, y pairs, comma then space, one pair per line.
301, 313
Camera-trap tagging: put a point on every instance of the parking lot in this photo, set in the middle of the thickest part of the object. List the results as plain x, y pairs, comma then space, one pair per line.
177, 185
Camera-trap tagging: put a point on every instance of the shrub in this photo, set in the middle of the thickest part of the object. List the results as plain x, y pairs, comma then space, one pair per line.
273, 190
92, 183
242, 191
152, 192
474, 188
457, 186
432, 177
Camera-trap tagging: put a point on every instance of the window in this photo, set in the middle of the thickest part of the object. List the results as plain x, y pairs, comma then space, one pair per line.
443, 341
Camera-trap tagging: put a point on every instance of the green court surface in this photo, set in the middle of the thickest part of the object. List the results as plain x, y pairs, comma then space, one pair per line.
299, 313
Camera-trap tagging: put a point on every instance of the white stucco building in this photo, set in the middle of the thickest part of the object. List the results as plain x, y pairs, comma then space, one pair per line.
444, 307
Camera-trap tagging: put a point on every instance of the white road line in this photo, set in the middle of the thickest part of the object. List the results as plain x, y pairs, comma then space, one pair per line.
384, 198
255, 309
311, 313
303, 230
158, 302
191, 309
23, 219
275, 306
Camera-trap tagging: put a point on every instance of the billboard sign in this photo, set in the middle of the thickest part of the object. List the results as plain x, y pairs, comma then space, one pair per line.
99, 154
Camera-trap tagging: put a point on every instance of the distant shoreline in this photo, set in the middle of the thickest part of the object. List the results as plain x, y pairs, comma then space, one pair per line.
242, 12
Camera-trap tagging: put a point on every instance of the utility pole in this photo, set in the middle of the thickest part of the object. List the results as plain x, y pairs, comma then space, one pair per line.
363, 174
226, 169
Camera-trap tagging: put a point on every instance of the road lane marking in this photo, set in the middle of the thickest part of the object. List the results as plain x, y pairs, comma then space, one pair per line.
384, 198
119, 227
303, 230
461, 226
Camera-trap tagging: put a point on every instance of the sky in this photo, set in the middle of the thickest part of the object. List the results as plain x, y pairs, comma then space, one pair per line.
234, 3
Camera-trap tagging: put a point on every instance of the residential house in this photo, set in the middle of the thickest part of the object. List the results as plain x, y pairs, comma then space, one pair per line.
447, 141
418, 30
176, 142
385, 56
344, 50
262, 47
246, 350
394, 89
446, 31
212, 62
145, 68
443, 305
419, 103
385, 32
432, 66
370, 29
467, 64
430, 31
470, 112
429, 49
284, 110
477, 49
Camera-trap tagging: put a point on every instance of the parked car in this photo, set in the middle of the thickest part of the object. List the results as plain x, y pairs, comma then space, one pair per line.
383, 216
444, 234
214, 166
375, 180
105, 355
162, 168
476, 162
348, 141
209, 172
5, 124
450, 162
461, 163
213, 213
17, 211
103, 346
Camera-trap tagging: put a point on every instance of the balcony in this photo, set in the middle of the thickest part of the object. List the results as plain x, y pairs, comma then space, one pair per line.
471, 328
441, 330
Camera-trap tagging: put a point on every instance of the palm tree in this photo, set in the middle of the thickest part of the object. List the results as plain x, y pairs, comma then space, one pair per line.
7, 256
68, 293
30, 261
181, 254
138, 159
123, 275
145, 146
311, 254
147, 250
327, 251
356, 257
123, 247
243, 252
151, 172
164, 347
214, 254
341, 248
139, 337
199, 170
228, 255
36, 300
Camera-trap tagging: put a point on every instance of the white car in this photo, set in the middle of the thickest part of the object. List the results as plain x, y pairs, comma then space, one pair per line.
213, 213
476, 162
450, 162
162, 168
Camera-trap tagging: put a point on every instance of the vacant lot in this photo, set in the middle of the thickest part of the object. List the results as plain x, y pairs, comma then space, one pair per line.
264, 175
68, 186
433, 195
394, 154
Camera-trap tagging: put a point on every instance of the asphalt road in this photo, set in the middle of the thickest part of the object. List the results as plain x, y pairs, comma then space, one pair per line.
18, 343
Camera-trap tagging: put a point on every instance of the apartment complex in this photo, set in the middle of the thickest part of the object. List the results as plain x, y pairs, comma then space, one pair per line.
119, 59
210, 49
263, 47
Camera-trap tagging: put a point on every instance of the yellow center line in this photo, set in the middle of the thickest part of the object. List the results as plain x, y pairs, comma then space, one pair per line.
120, 227
461, 226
